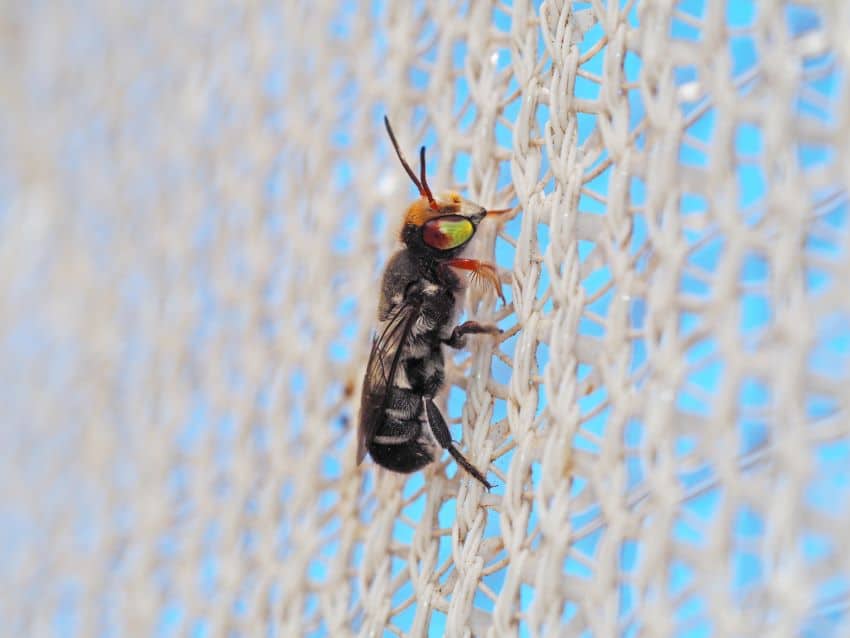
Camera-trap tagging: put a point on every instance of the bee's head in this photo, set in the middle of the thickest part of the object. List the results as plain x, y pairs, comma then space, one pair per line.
438, 226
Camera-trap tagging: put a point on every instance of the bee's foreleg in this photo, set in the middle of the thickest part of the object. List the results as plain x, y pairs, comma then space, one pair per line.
441, 432
480, 270
457, 339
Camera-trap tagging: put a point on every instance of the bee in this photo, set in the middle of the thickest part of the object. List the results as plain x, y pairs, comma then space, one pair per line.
399, 423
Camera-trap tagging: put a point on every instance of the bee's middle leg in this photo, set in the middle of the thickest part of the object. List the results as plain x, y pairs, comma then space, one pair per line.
457, 339
444, 438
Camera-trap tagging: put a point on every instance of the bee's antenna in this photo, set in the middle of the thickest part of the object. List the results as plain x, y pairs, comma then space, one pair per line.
424, 191
424, 180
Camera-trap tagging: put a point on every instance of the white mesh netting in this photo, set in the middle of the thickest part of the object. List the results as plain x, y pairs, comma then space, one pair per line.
196, 203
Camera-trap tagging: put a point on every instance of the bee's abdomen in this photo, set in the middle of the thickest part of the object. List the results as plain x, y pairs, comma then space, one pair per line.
403, 446
403, 442
402, 457
402, 405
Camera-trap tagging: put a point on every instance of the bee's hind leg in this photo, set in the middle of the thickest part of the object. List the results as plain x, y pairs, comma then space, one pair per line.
444, 438
457, 339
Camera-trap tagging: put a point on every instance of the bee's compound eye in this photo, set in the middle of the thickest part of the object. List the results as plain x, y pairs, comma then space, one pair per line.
447, 232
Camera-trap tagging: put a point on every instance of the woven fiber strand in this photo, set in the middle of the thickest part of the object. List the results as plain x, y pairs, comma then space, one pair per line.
196, 203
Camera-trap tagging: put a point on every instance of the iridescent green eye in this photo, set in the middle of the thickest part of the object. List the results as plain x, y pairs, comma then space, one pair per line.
447, 232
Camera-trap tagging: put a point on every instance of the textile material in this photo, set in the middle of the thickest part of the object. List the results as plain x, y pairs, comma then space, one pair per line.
196, 204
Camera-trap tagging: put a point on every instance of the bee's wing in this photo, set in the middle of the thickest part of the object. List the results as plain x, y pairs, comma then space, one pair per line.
381, 371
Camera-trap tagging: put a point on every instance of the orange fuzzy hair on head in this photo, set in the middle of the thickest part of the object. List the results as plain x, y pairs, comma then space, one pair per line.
421, 210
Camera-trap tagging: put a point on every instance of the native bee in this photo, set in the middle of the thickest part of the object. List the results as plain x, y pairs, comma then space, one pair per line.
400, 425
